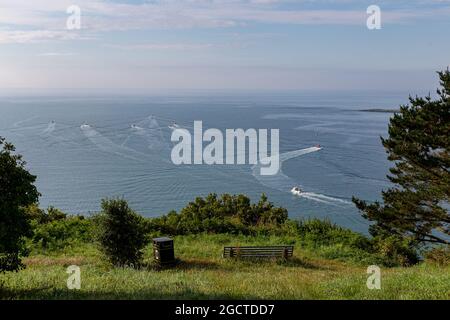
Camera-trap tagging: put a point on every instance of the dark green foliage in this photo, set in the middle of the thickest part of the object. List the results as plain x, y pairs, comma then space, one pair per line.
38, 215
331, 241
324, 232
336, 242
53, 229
236, 215
17, 190
394, 251
439, 255
225, 214
58, 234
120, 233
416, 209
325, 238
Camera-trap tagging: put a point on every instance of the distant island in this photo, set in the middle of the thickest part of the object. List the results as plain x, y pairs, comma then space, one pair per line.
380, 110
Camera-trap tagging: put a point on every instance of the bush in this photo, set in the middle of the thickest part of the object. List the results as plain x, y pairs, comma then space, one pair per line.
120, 233
324, 232
53, 229
439, 255
34, 213
59, 233
395, 251
226, 214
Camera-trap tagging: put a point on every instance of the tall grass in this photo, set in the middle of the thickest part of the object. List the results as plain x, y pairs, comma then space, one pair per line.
203, 274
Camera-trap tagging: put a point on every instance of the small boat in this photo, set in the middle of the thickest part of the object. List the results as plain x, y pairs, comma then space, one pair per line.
174, 126
85, 126
296, 191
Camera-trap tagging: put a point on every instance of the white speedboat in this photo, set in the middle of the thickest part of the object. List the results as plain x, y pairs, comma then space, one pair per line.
174, 126
296, 191
84, 126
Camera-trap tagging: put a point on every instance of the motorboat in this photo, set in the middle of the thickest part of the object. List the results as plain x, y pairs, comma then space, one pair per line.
85, 126
174, 126
296, 191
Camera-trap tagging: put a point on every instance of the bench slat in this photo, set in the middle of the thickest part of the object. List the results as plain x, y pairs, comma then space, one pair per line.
257, 249
265, 247
253, 250
263, 252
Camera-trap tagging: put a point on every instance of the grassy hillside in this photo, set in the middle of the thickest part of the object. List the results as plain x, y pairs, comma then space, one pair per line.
315, 272
329, 262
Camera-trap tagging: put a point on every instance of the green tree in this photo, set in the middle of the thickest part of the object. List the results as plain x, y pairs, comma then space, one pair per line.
416, 208
17, 191
221, 214
121, 233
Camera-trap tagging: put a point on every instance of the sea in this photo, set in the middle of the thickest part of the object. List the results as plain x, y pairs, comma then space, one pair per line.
84, 148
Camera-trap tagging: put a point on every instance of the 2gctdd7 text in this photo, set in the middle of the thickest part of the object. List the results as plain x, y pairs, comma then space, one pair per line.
246, 309
239, 309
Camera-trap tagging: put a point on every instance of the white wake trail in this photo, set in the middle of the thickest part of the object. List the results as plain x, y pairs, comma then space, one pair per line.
149, 130
280, 181
109, 146
310, 196
283, 183
324, 197
297, 153
50, 128
21, 122
155, 135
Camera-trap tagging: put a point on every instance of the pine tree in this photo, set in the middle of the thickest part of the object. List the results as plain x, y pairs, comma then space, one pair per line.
417, 207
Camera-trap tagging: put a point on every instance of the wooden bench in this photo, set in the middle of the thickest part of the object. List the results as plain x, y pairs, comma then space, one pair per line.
284, 252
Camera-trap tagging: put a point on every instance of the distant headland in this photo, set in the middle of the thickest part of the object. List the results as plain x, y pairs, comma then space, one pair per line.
380, 110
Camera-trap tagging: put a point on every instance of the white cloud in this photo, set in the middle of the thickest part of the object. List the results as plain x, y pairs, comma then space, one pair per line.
47, 18
57, 54
164, 46
33, 36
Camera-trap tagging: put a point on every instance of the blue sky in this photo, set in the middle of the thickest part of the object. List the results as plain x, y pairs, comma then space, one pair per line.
150, 46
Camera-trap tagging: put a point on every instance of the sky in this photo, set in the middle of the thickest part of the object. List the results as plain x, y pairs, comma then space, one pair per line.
142, 46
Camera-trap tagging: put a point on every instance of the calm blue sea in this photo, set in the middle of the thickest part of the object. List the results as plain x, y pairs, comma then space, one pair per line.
76, 168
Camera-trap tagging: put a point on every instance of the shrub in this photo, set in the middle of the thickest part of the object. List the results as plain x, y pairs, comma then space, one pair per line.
439, 255
59, 233
226, 214
53, 229
120, 233
38, 215
395, 251
324, 232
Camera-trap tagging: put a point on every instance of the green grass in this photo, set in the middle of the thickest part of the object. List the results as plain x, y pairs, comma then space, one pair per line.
321, 272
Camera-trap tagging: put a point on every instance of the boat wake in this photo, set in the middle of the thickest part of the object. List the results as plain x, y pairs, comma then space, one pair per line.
50, 128
282, 182
149, 130
107, 145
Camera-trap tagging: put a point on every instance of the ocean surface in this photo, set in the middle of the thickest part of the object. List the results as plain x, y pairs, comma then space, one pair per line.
83, 149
